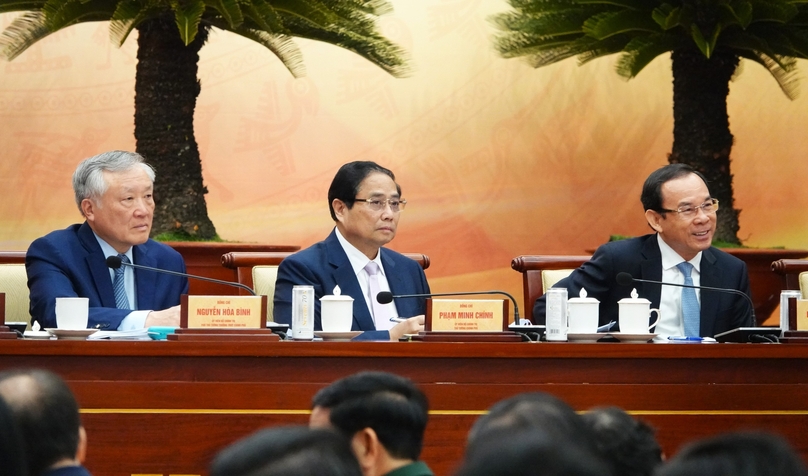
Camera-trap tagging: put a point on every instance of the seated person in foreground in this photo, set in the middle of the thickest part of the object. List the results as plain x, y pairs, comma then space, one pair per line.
47, 415
628, 444
736, 454
114, 194
384, 416
679, 208
285, 451
365, 202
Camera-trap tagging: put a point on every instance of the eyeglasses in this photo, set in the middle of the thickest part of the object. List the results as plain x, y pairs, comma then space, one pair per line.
377, 204
708, 207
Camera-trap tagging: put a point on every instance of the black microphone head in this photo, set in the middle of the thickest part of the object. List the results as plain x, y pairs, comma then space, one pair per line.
624, 279
113, 262
384, 297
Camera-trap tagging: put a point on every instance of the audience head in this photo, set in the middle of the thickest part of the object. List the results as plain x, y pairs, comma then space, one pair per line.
385, 416
114, 192
678, 206
288, 451
366, 225
627, 444
47, 416
540, 411
529, 452
736, 454
12, 453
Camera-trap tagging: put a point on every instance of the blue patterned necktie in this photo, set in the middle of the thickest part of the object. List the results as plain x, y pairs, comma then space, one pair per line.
690, 305
119, 286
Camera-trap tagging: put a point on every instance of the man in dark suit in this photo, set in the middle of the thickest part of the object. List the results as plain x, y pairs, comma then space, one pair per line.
114, 194
678, 206
47, 416
365, 202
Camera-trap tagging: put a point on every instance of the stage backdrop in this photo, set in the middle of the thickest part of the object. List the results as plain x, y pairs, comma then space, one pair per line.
496, 159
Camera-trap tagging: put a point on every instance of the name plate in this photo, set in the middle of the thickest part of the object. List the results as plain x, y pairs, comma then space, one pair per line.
223, 312
464, 315
802, 314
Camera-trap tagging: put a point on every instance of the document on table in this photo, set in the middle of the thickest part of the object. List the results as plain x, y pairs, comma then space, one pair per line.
135, 334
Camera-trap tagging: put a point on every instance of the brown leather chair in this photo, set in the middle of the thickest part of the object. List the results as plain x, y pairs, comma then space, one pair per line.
540, 272
12, 257
794, 273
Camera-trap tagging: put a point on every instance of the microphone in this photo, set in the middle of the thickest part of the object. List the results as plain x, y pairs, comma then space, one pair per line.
625, 279
115, 262
386, 297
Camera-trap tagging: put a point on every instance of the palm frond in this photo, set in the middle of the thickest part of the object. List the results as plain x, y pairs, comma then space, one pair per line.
606, 24
24, 31
126, 17
20, 5
282, 46
187, 16
231, 11
373, 47
60, 14
641, 51
264, 16
786, 77
593, 49
309, 11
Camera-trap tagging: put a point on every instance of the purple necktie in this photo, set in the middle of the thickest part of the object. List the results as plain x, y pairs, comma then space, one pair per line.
381, 313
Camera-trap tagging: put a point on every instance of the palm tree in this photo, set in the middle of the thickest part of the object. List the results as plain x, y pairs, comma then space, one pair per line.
170, 35
706, 39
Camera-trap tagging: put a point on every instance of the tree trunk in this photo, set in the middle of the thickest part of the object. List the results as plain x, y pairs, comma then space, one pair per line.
166, 88
701, 135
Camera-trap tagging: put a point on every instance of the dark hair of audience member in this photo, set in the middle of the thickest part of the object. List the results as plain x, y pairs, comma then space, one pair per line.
12, 454
393, 406
537, 410
529, 452
349, 177
626, 443
47, 416
288, 451
736, 454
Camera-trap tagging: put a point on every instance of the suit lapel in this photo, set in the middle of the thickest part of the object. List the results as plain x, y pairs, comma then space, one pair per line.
708, 276
96, 263
343, 275
651, 269
145, 281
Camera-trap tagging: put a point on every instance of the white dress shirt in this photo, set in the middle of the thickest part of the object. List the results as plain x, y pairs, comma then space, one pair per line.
358, 262
135, 319
670, 301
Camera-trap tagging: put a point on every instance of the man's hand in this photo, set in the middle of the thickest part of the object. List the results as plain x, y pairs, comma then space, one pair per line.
166, 318
412, 325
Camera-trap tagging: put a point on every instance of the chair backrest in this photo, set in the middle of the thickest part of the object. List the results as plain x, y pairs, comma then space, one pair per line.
259, 270
14, 283
264, 277
792, 271
540, 272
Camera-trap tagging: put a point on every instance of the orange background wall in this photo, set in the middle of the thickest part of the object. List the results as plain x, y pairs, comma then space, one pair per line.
495, 158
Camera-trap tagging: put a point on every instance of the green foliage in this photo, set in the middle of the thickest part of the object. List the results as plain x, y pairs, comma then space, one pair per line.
772, 33
183, 236
349, 24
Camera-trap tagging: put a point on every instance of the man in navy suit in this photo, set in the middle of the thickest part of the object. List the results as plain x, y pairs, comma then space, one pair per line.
365, 202
47, 415
679, 208
114, 194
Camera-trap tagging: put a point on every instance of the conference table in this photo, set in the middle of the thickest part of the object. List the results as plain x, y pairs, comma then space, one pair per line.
167, 407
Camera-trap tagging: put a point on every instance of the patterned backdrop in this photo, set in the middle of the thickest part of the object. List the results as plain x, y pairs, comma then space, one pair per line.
495, 158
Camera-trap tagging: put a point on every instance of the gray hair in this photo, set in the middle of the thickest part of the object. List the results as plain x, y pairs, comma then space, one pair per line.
88, 179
